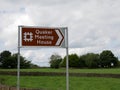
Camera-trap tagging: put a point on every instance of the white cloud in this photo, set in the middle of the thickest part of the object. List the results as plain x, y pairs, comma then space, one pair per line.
93, 25
9, 34
36, 56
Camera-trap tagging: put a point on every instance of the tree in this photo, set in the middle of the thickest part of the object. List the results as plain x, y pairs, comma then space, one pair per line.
63, 62
55, 60
23, 62
73, 61
92, 60
10, 61
107, 59
82, 62
89, 60
3, 56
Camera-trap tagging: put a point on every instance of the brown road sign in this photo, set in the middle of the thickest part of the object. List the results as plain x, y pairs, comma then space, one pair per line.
34, 36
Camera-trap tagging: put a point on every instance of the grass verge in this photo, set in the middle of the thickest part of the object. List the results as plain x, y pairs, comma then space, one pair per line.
58, 82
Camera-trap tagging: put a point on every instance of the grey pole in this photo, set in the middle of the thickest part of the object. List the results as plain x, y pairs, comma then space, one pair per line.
67, 62
18, 65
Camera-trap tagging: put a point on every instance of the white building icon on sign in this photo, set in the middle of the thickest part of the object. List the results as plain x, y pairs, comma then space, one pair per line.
28, 37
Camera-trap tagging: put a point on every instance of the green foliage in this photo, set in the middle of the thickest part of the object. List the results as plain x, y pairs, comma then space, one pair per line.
82, 63
3, 56
108, 59
73, 61
55, 61
63, 62
91, 60
10, 61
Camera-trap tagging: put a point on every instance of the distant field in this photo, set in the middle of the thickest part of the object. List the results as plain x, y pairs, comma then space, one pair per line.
58, 82
111, 71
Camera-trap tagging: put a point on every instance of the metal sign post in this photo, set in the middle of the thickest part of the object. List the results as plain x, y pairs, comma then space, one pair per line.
67, 62
18, 65
29, 36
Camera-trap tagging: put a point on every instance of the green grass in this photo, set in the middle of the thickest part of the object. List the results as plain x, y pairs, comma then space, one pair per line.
85, 83
112, 71
58, 83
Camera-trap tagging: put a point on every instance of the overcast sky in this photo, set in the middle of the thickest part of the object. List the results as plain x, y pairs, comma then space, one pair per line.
93, 25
